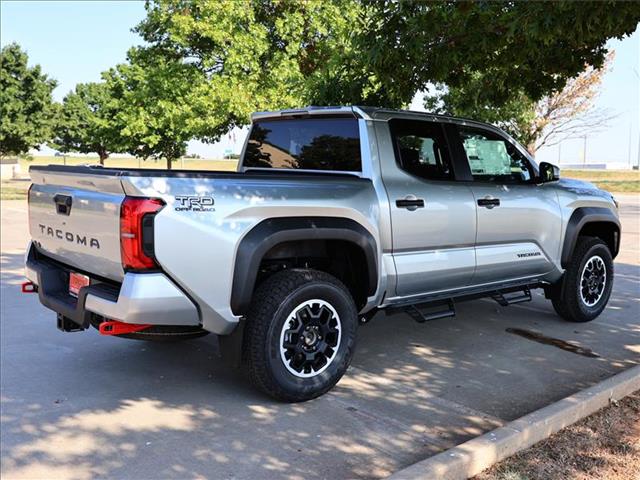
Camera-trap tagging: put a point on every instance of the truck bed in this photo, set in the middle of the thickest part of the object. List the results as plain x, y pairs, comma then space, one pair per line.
196, 232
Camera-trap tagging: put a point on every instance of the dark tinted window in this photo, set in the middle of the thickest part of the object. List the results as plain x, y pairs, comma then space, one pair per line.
494, 159
421, 149
309, 144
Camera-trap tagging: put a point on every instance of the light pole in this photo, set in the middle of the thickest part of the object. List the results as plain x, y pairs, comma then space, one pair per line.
638, 166
584, 151
629, 146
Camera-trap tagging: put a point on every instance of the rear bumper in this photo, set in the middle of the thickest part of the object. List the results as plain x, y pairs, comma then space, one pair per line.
142, 298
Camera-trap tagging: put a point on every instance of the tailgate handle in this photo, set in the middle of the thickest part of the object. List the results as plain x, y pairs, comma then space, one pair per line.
63, 204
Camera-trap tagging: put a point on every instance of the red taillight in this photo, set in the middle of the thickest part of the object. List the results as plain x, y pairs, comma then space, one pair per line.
136, 232
29, 208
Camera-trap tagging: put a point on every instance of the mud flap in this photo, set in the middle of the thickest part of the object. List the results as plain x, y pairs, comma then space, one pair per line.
230, 346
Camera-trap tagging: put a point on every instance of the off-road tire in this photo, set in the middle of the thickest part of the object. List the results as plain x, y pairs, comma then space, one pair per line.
566, 296
273, 303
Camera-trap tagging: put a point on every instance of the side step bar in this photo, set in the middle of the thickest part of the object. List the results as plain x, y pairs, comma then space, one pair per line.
505, 301
420, 316
444, 308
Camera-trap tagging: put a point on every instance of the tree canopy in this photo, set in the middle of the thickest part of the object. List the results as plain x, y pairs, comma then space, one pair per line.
86, 123
26, 108
528, 47
248, 55
206, 65
159, 105
557, 116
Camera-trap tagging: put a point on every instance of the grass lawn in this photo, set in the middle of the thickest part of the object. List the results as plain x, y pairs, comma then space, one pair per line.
187, 163
14, 189
605, 445
621, 181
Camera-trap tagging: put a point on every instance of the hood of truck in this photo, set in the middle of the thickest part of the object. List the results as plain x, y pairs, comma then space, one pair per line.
582, 188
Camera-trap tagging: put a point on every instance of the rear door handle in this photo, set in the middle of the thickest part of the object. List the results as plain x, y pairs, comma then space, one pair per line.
410, 202
488, 202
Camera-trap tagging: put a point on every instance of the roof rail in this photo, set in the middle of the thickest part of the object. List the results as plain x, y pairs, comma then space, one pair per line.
312, 110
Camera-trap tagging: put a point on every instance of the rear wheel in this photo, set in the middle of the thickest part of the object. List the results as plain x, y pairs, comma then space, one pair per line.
300, 334
585, 288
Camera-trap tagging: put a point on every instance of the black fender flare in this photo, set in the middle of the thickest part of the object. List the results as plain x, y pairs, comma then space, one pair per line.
581, 217
271, 232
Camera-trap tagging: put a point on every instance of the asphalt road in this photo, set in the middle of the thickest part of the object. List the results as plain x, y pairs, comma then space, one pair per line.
78, 405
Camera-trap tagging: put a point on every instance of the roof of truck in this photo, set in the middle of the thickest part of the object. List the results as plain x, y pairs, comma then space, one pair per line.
377, 113
366, 112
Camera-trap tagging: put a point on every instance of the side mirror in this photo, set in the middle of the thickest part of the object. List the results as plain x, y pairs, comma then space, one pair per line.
549, 173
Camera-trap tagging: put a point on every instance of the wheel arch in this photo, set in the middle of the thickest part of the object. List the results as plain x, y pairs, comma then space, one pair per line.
591, 221
276, 234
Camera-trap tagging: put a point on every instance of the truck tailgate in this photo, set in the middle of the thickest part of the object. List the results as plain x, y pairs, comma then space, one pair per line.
75, 218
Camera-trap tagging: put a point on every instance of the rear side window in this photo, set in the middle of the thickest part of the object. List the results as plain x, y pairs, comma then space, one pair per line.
305, 144
421, 149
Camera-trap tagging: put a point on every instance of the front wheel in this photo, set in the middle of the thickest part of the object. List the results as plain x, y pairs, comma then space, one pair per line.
585, 288
300, 334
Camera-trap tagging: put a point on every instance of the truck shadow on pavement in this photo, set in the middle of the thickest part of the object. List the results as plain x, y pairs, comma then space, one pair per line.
83, 406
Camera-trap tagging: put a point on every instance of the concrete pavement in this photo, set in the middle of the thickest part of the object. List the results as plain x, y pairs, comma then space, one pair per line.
84, 406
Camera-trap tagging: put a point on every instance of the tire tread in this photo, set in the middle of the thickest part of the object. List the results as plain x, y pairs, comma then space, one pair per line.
565, 300
266, 300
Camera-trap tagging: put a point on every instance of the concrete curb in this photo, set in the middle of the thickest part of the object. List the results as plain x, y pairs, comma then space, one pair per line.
472, 457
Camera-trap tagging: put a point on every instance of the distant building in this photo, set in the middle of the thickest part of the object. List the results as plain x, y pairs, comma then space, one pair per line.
10, 168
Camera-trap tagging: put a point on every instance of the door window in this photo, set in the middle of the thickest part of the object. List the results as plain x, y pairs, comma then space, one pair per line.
494, 159
421, 149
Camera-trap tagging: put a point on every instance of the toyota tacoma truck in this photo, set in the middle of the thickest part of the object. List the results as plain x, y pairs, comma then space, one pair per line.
333, 214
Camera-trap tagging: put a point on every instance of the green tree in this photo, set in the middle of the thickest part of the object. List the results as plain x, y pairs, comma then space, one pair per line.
557, 116
515, 115
276, 54
26, 108
250, 55
532, 48
158, 102
86, 122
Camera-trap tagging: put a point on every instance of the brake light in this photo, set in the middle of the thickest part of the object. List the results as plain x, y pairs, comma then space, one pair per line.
136, 232
29, 209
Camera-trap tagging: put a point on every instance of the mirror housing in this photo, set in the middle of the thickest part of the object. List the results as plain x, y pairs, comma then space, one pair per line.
549, 172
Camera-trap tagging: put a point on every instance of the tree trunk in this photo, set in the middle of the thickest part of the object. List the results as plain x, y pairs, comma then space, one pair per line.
103, 156
169, 160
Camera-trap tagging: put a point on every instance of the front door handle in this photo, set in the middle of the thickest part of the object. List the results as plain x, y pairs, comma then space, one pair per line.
488, 202
410, 202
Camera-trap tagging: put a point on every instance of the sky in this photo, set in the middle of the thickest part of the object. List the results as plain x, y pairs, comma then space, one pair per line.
74, 41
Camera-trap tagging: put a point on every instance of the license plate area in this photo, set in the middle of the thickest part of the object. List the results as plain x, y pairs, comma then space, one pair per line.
76, 282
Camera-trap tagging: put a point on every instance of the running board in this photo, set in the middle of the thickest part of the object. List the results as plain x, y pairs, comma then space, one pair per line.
418, 313
504, 299
444, 307
421, 316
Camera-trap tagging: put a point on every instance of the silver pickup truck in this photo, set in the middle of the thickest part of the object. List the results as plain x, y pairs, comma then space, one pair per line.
333, 215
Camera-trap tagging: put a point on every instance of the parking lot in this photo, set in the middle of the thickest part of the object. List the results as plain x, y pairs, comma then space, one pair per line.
78, 405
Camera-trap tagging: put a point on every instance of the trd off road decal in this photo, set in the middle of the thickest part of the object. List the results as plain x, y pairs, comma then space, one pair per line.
194, 203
